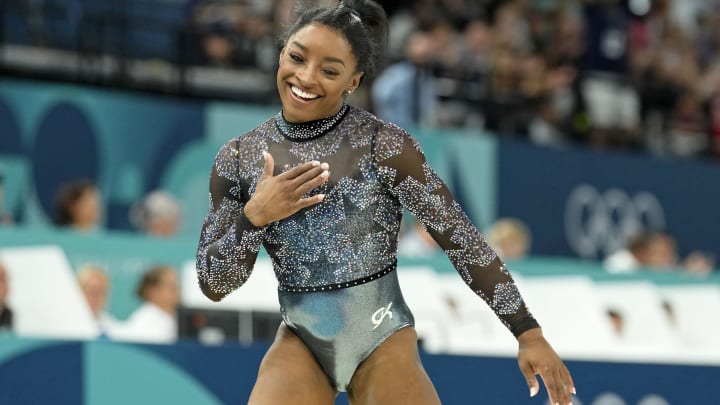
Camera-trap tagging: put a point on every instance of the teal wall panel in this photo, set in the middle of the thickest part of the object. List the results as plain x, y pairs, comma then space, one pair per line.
118, 374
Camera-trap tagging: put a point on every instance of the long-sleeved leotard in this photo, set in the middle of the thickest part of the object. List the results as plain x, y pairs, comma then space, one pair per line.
351, 237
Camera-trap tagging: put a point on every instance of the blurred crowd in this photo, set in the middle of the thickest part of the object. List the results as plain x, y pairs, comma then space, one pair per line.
630, 74
155, 320
78, 207
654, 250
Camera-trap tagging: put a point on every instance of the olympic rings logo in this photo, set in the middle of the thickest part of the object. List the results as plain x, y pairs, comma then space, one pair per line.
599, 223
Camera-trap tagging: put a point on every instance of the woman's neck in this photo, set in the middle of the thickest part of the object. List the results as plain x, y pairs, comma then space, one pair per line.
303, 131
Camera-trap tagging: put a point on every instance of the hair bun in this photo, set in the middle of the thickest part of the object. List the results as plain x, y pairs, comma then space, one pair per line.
362, 22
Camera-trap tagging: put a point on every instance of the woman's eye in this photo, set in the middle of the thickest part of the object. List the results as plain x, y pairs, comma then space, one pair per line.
330, 72
295, 57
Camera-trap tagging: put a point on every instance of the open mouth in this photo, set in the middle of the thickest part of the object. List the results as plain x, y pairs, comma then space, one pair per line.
302, 95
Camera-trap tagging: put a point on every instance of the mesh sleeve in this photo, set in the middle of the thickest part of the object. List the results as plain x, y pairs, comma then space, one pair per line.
229, 243
407, 175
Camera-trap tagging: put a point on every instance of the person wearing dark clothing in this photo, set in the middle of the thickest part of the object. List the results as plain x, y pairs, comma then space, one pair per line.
6, 315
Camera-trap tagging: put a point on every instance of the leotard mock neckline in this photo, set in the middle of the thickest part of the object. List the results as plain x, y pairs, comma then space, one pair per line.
305, 131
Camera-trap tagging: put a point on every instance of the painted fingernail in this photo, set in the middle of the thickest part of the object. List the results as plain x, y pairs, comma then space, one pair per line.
315, 163
325, 174
573, 391
325, 166
265, 153
533, 391
321, 196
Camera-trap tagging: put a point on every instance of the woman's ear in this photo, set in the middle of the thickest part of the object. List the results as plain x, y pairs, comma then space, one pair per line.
355, 81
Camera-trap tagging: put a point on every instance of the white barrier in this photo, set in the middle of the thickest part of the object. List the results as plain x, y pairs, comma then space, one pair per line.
44, 294
259, 293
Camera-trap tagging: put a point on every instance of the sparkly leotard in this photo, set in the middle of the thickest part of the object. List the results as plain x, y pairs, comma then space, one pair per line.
334, 261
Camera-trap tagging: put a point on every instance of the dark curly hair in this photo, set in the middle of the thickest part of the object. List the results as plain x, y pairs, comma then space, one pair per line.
362, 22
150, 279
66, 197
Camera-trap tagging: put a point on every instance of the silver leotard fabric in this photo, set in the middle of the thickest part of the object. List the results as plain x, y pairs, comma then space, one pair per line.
350, 239
342, 327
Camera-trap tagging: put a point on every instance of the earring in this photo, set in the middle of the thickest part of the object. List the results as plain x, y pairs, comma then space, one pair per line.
348, 92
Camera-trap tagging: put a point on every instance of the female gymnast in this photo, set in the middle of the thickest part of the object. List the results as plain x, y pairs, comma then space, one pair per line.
322, 186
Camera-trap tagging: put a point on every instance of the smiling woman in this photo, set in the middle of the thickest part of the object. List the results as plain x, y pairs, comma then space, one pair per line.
317, 70
333, 235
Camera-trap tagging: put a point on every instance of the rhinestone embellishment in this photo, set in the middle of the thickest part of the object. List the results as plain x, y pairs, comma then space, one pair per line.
304, 131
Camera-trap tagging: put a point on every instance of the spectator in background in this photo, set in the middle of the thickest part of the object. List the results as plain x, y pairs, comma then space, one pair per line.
155, 321
612, 102
546, 99
503, 97
158, 214
656, 251
6, 315
417, 242
217, 47
666, 67
617, 320
510, 238
230, 33
5, 217
404, 93
77, 206
478, 50
653, 250
688, 127
95, 286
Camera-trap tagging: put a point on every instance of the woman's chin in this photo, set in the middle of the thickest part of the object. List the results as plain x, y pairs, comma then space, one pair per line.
300, 113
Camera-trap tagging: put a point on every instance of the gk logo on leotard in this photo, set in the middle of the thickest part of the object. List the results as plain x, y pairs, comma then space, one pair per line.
380, 315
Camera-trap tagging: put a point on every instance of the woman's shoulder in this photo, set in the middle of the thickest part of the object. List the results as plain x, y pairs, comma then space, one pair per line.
251, 138
365, 118
263, 130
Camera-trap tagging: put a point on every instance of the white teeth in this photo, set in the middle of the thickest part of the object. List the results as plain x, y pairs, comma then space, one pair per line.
302, 94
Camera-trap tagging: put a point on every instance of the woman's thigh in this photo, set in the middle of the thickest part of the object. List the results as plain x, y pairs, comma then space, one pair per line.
393, 375
289, 374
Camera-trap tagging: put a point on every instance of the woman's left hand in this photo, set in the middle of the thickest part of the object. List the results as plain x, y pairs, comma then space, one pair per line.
536, 356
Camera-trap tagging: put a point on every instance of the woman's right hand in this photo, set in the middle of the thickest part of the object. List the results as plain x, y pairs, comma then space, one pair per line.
278, 197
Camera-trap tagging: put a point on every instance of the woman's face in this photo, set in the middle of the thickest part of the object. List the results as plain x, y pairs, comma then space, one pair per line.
166, 294
316, 67
96, 289
86, 210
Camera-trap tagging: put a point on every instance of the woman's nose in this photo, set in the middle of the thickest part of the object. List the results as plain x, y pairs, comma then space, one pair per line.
305, 77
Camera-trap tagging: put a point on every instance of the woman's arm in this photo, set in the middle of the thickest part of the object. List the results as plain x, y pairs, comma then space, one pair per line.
229, 242
234, 229
409, 177
406, 174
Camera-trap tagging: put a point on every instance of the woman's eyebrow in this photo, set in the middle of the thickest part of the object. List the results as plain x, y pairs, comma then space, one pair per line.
327, 58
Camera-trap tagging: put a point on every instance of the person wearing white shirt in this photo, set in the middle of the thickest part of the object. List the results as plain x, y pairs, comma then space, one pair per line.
95, 286
155, 321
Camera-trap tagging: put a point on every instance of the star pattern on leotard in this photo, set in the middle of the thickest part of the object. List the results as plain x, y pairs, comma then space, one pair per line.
377, 171
325, 244
506, 298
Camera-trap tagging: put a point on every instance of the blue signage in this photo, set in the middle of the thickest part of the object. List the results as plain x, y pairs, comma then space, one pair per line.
584, 203
108, 373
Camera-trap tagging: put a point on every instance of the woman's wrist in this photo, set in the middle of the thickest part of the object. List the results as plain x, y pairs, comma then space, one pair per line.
253, 215
530, 335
